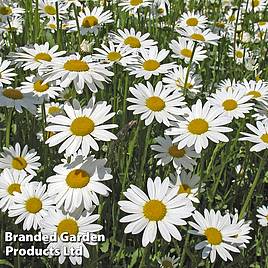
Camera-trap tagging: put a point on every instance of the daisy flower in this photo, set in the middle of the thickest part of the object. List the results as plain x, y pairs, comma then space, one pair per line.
52, 109
13, 97
134, 5
176, 78
116, 54
192, 20
161, 210
20, 161
133, 39
168, 262
31, 205
10, 9
168, 151
219, 234
260, 136
72, 225
81, 127
92, 21
6, 74
80, 71
33, 58
68, 3
202, 123
258, 90
263, 215
44, 91
240, 53
47, 9
226, 84
160, 103
184, 49
77, 183
186, 183
160, 8
255, 5
232, 102
14, 25
261, 26
241, 238
11, 182
150, 63
199, 35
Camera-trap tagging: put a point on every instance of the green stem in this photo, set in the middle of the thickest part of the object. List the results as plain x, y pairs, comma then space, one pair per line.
189, 69
183, 255
8, 126
253, 186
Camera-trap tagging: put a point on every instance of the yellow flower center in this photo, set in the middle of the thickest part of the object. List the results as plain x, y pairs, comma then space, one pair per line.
198, 126
175, 152
264, 138
39, 87
254, 93
255, 3
19, 163
160, 10
213, 235
69, 226
77, 178
151, 65
232, 18
5, 10
114, 56
50, 10
33, 205
14, 187
239, 54
132, 42
167, 264
220, 24
52, 25
192, 21
154, 210
198, 37
89, 21
53, 110
82, 126
184, 188
42, 56
186, 52
76, 66
135, 2
13, 93
155, 104
262, 23
229, 105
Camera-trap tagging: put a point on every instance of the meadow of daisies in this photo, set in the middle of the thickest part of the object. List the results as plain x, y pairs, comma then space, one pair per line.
145, 121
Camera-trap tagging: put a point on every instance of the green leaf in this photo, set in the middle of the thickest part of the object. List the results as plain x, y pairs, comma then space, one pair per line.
6, 262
